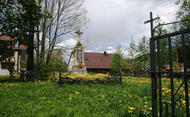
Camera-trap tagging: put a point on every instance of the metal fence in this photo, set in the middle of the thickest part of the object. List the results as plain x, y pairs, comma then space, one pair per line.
156, 71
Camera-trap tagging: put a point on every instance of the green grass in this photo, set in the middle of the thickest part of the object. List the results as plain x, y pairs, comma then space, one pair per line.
46, 99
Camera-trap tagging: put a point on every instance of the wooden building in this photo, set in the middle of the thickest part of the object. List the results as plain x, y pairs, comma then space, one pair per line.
98, 62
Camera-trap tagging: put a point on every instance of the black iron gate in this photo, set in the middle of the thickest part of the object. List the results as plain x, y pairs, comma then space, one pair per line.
157, 72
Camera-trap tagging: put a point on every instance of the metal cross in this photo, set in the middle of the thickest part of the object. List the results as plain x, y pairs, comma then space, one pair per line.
151, 23
153, 76
79, 34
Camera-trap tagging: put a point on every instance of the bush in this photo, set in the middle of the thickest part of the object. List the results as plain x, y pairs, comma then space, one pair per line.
85, 78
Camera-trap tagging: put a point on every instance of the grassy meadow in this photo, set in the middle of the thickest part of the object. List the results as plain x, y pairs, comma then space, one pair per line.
47, 99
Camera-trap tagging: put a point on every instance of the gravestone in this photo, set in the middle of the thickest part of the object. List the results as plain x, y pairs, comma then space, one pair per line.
78, 53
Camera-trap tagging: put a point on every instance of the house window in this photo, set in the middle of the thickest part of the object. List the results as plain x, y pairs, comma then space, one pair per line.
101, 59
87, 59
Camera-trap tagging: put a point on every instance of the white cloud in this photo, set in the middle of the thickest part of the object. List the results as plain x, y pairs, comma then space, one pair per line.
113, 22
70, 43
110, 50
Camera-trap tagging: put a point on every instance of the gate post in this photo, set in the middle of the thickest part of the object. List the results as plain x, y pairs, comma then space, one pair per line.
185, 76
153, 66
153, 70
153, 77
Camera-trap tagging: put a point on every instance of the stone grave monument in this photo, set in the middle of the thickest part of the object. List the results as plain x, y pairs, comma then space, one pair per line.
78, 53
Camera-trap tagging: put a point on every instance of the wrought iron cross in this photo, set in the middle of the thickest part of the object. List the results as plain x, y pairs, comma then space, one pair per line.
153, 65
151, 23
79, 34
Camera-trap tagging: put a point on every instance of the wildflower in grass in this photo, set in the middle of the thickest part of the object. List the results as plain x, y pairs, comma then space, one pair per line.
102, 96
77, 93
146, 102
70, 98
70, 95
164, 89
183, 101
145, 106
131, 108
141, 109
42, 98
130, 111
150, 108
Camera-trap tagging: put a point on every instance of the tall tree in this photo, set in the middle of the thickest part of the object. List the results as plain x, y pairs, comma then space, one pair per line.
183, 13
118, 62
31, 17
143, 58
60, 17
132, 49
143, 46
19, 19
131, 56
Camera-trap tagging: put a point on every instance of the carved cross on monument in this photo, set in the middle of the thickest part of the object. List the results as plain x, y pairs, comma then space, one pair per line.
79, 63
79, 34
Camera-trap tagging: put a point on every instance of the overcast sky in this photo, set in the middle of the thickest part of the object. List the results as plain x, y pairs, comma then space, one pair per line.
115, 22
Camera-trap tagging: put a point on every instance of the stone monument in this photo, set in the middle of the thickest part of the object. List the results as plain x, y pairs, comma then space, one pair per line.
78, 53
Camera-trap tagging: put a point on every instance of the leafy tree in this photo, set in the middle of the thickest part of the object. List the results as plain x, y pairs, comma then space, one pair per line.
31, 16
131, 56
132, 50
184, 14
19, 19
57, 65
118, 62
143, 58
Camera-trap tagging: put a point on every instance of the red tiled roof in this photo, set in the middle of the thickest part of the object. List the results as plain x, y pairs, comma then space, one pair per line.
97, 60
21, 47
6, 38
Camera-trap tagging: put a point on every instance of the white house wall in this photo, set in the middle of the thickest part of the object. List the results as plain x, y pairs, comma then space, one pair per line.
3, 71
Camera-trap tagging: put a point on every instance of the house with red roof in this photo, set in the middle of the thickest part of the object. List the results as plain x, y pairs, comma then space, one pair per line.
98, 62
17, 55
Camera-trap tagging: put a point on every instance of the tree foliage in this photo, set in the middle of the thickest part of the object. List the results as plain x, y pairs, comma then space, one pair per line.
18, 19
143, 58
118, 62
139, 59
60, 17
184, 14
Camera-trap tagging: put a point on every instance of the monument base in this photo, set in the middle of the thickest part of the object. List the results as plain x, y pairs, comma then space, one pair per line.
79, 70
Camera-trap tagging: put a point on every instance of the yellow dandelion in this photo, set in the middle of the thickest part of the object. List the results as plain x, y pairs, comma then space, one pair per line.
150, 108
131, 108
145, 106
70, 95
141, 109
183, 101
77, 93
130, 111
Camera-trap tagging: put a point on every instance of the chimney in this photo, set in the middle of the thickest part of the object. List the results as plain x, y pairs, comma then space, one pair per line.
105, 53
